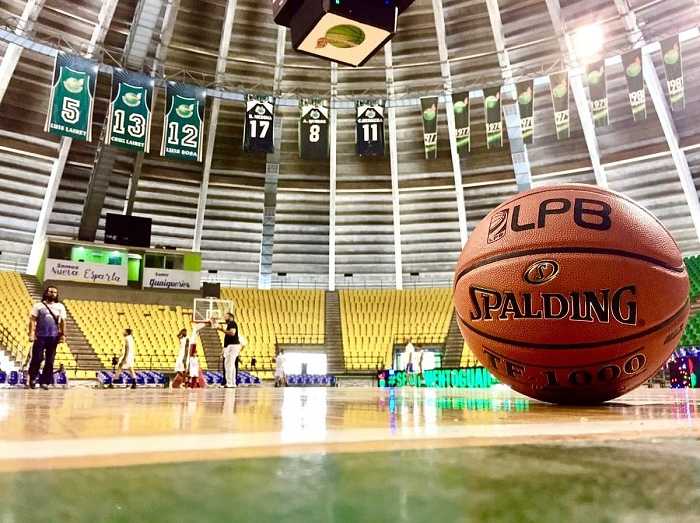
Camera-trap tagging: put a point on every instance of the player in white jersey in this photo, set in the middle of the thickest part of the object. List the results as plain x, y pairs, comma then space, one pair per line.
128, 357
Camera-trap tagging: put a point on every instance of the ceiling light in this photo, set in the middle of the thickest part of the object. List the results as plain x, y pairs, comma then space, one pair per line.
588, 41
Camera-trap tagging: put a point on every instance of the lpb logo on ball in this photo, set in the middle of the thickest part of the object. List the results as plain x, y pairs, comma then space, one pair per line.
498, 227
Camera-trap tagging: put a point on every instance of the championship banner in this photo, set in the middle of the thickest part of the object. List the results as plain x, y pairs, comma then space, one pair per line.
559, 85
258, 135
130, 110
634, 69
598, 88
526, 104
429, 112
72, 97
462, 109
494, 117
369, 128
673, 62
314, 126
183, 129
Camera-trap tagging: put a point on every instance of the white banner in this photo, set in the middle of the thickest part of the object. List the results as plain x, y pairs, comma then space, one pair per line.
85, 272
171, 279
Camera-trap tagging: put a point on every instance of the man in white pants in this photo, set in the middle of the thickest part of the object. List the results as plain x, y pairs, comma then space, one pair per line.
232, 348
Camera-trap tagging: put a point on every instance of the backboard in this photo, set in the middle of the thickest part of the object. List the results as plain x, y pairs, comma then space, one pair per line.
206, 309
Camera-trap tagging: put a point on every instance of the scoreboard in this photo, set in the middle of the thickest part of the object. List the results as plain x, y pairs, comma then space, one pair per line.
345, 31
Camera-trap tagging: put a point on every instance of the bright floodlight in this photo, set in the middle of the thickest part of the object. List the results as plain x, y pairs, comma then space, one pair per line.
588, 41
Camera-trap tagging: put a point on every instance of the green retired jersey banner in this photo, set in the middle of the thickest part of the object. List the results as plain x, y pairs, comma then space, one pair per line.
494, 117
369, 129
634, 73
598, 88
462, 109
526, 105
130, 110
673, 62
429, 111
559, 85
314, 130
183, 130
72, 97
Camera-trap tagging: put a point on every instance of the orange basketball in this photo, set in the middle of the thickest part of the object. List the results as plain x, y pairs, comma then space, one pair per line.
571, 294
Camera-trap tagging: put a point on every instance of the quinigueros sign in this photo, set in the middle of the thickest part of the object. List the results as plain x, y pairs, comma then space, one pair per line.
171, 279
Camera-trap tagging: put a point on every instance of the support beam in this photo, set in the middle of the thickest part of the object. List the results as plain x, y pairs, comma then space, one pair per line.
439, 16
579, 92
25, 25
221, 61
394, 165
518, 149
663, 111
133, 185
272, 171
98, 35
333, 176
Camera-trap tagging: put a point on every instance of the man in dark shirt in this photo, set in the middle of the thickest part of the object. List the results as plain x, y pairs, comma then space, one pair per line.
232, 348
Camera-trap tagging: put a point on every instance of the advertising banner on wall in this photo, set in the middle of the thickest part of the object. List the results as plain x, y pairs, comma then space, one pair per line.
171, 279
66, 270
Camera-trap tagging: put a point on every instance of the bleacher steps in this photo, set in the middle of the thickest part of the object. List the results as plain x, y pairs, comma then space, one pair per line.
454, 345
334, 338
213, 349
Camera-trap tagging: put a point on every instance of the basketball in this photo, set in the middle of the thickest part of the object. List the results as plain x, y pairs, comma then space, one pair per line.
571, 294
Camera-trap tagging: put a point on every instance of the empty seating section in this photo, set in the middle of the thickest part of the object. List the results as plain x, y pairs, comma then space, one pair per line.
155, 329
692, 263
283, 316
16, 304
373, 321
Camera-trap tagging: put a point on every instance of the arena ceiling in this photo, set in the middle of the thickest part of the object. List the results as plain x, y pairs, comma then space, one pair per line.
466, 44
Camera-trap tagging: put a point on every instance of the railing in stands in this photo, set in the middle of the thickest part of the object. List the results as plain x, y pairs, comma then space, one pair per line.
321, 282
14, 349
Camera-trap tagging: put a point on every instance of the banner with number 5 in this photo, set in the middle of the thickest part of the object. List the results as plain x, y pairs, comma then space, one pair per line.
183, 129
130, 110
72, 97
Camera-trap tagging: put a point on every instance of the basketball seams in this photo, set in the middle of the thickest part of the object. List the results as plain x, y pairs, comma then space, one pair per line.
559, 346
567, 250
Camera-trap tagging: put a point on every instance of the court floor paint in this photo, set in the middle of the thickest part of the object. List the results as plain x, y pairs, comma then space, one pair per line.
345, 455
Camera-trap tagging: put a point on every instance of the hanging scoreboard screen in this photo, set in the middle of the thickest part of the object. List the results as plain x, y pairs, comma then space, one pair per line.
258, 136
183, 129
130, 110
369, 130
72, 97
314, 143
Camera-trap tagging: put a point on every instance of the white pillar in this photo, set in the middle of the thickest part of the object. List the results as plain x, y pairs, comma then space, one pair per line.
333, 176
394, 164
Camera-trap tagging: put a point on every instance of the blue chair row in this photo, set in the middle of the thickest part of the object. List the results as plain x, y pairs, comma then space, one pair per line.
214, 378
310, 380
143, 378
17, 379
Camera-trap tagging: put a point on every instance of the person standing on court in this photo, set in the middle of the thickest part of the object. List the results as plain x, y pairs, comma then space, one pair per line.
47, 328
232, 348
128, 357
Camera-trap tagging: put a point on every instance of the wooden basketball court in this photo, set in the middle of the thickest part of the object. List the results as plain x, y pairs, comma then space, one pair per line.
342, 454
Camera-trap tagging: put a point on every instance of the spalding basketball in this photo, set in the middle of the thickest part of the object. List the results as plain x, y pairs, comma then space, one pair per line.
571, 294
